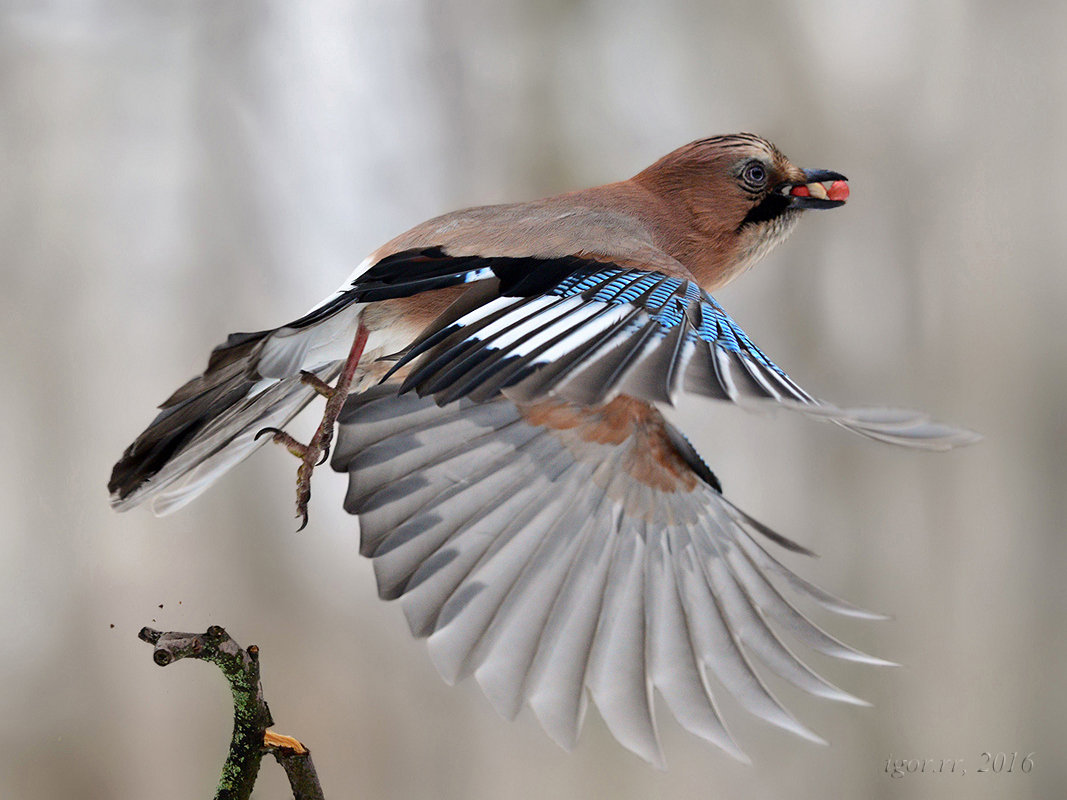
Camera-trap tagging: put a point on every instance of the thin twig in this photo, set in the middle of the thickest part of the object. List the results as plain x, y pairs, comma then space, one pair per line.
251, 716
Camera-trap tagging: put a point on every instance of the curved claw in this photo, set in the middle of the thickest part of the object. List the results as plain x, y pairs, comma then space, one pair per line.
325, 456
304, 524
272, 431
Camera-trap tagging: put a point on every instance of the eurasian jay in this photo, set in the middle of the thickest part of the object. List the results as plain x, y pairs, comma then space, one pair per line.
495, 373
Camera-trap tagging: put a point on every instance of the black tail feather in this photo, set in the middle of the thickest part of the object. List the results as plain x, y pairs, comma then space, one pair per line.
229, 376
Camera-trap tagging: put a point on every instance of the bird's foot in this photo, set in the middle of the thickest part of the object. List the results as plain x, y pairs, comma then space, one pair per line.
311, 455
315, 452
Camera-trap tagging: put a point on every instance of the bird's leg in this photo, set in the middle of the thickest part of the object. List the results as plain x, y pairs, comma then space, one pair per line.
317, 450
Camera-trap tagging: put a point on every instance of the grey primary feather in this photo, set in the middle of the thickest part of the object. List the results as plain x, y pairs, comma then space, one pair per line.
506, 651
673, 665
535, 561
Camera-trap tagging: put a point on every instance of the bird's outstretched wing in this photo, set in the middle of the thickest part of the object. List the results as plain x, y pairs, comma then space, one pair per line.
582, 330
581, 327
553, 551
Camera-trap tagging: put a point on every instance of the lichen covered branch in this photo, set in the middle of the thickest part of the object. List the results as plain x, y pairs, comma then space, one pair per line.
251, 716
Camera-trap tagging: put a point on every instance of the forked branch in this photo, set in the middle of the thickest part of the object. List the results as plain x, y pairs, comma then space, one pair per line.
251, 716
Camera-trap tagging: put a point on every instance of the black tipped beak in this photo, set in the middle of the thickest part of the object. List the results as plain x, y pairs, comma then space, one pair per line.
822, 188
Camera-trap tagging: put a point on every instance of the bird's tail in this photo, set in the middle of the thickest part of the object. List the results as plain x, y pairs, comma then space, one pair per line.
252, 381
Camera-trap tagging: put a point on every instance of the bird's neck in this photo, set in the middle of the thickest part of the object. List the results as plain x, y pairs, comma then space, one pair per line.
712, 252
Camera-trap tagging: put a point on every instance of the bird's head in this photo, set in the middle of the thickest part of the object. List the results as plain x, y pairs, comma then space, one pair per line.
739, 196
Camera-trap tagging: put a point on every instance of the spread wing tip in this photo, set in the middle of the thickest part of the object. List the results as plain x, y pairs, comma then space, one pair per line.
903, 427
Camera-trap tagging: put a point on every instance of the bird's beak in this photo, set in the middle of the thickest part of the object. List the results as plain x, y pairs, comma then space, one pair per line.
822, 188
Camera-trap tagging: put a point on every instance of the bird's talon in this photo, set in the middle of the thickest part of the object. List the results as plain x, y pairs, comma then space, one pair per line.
325, 456
292, 445
273, 431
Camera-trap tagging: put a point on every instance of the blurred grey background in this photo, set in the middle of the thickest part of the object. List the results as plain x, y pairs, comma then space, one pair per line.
172, 172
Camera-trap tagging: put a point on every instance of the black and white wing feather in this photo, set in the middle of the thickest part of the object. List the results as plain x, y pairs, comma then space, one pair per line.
586, 332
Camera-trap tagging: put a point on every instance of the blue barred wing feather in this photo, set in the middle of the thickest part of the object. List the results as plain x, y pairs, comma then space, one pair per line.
601, 330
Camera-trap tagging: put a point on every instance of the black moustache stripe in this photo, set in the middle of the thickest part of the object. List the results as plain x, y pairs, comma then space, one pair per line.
771, 207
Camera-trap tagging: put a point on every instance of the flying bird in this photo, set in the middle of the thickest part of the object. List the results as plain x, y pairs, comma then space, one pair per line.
495, 376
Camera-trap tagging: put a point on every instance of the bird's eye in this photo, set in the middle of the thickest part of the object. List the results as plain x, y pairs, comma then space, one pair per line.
754, 175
